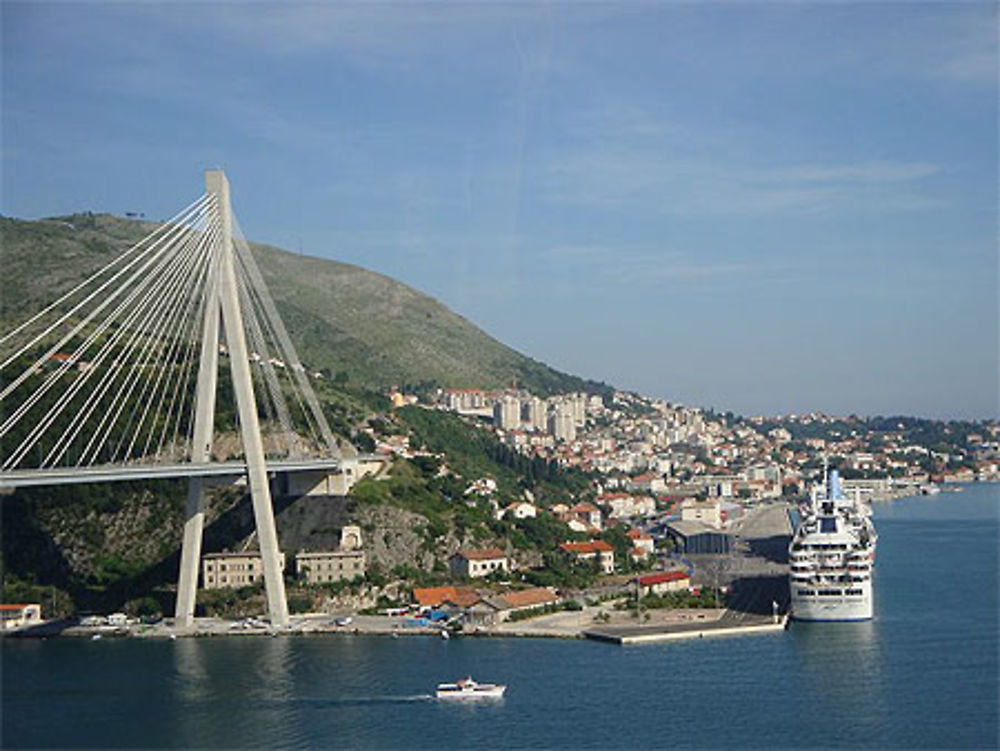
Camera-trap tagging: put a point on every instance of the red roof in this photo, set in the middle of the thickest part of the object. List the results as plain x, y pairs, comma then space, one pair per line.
665, 576
484, 554
595, 546
14, 607
433, 595
527, 597
464, 597
612, 496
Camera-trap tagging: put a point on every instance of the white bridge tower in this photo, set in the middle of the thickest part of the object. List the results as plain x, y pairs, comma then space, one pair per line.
223, 299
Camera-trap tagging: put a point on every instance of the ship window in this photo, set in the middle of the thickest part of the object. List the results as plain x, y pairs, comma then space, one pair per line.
828, 524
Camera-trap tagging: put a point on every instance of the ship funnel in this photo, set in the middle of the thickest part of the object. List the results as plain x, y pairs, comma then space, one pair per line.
834, 484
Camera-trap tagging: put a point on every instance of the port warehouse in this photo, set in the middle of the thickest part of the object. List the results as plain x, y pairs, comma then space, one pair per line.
694, 537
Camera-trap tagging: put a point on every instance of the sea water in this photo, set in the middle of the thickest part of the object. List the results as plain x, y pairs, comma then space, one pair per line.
923, 673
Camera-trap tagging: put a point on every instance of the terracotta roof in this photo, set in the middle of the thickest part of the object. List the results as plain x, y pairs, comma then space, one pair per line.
433, 595
594, 546
528, 597
665, 576
483, 554
584, 508
14, 607
464, 597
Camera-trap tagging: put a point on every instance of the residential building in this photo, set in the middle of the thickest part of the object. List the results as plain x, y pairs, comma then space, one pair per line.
587, 514
518, 510
562, 423
642, 541
221, 570
507, 413
533, 412
475, 564
597, 550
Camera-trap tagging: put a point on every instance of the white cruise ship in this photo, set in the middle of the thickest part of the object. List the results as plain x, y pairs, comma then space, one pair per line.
832, 555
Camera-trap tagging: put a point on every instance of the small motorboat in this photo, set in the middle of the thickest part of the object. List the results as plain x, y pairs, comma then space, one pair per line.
466, 688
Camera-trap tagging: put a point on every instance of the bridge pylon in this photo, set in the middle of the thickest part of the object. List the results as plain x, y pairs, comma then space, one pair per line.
224, 301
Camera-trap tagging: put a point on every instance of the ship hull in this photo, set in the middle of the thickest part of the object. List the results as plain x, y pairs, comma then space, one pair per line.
832, 607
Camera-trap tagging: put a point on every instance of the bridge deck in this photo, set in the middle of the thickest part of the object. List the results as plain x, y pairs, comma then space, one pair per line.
120, 473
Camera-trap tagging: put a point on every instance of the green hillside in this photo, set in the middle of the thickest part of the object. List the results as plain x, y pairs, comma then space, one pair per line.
342, 318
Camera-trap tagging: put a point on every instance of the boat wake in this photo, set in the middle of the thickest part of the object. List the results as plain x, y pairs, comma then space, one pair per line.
362, 701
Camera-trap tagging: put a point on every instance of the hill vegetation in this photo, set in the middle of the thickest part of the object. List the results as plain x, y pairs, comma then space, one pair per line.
370, 330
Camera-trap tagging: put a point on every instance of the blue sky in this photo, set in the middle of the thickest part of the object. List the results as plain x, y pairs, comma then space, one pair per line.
764, 207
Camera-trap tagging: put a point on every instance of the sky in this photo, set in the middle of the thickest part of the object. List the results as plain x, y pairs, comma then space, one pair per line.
769, 208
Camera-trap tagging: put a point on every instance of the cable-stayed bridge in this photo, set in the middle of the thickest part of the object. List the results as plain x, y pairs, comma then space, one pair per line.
138, 369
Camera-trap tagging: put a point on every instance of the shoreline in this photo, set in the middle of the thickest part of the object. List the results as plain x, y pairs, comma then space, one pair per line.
675, 625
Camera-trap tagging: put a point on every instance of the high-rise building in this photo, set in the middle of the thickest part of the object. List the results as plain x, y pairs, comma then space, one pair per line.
507, 413
562, 423
579, 403
533, 413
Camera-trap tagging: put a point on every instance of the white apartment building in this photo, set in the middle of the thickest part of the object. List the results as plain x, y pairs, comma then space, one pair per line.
533, 412
562, 424
507, 413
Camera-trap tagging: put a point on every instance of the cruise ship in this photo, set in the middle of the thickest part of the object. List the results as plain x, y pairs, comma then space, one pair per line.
832, 555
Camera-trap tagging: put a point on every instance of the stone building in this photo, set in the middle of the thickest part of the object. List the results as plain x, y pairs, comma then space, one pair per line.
344, 564
221, 570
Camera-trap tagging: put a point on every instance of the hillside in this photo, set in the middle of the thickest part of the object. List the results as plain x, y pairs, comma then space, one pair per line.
342, 318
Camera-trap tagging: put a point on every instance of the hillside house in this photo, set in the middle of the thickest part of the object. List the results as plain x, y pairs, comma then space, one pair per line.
597, 550
474, 564
587, 514
518, 510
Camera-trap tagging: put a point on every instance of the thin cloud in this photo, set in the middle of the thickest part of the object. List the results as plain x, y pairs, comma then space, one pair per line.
700, 187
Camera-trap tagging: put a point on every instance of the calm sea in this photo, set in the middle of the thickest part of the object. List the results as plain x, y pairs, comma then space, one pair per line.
922, 674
